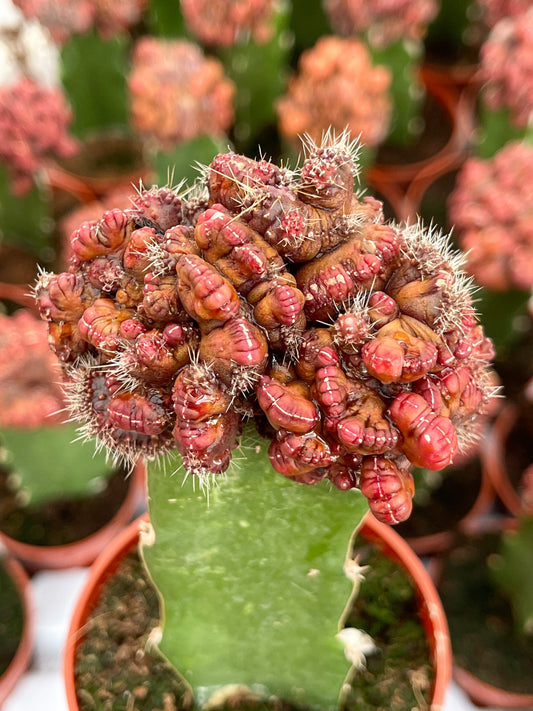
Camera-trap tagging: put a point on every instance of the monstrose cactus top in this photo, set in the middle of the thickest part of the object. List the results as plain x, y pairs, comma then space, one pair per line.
276, 296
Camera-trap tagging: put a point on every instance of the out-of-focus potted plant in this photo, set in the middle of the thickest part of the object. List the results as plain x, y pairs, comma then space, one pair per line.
59, 505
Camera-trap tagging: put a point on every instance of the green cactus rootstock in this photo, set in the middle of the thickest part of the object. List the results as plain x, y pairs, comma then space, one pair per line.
252, 578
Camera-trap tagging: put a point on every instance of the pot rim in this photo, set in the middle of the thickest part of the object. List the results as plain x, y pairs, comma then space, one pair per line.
431, 610
21, 659
84, 551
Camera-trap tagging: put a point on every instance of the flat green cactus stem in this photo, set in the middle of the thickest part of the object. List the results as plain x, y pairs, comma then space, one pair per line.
252, 580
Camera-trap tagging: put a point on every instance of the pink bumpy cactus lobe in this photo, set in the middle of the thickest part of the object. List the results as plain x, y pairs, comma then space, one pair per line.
506, 60
225, 22
337, 85
178, 94
34, 122
491, 209
384, 21
352, 344
63, 18
495, 10
30, 395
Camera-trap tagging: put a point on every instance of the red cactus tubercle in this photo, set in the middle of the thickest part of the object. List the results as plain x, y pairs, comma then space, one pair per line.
352, 344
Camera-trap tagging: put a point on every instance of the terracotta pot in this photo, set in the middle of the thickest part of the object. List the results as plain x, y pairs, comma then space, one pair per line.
20, 661
480, 692
458, 110
493, 458
86, 550
18, 294
441, 541
92, 173
389, 541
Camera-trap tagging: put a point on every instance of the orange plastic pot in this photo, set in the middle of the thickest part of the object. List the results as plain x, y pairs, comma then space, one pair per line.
412, 178
92, 172
481, 692
21, 659
493, 458
86, 550
430, 607
441, 541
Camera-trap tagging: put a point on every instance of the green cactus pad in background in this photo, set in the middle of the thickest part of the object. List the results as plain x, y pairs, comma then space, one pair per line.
181, 163
25, 220
94, 75
513, 573
403, 59
49, 465
252, 579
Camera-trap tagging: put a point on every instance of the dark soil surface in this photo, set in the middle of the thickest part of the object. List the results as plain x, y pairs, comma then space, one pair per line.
399, 676
480, 619
117, 670
11, 619
62, 521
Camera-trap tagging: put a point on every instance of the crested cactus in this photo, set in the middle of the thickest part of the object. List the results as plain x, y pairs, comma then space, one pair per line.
225, 22
506, 58
338, 85
277, 296
34, 122
177, 93
490, 208
385, 21
63, 19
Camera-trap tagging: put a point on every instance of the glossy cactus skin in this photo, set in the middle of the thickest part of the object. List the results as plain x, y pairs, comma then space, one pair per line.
351, 343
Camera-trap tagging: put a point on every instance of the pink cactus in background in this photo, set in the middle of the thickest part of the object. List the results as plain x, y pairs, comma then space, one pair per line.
496, 10
30, 395
506, 67
491, 207
34, 123
336, 85
177, 93
63, 18
385, 21
225, 22
284, 298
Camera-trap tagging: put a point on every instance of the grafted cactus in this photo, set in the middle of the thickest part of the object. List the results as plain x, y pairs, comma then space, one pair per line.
34, 122
280, 297
337, 85
490, 207
64, 19
385, 21
225, 22
505, 67
30, 394
177, 93
495, 10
